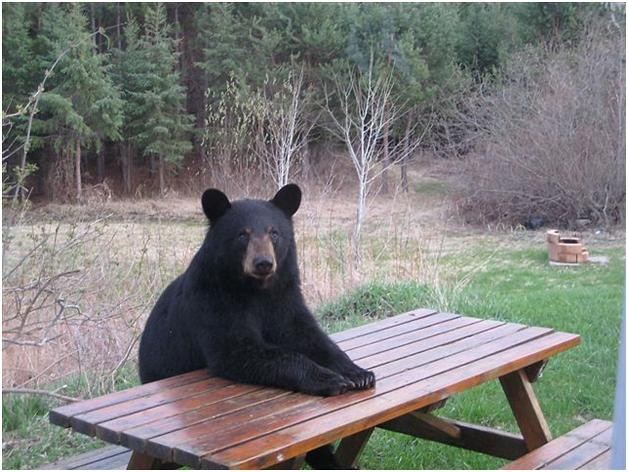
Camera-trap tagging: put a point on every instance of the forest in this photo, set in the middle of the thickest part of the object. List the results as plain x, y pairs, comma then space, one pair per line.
136, 100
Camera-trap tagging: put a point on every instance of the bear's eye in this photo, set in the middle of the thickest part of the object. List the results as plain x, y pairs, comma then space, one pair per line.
243, 236
274, 234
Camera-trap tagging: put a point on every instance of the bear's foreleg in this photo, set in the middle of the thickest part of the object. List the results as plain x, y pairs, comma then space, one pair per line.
310, 340
256, 362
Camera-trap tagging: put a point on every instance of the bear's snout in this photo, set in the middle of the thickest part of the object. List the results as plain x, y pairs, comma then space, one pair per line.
263, 265
259, 261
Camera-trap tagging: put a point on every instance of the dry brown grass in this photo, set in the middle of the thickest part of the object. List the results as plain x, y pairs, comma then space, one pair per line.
76, 293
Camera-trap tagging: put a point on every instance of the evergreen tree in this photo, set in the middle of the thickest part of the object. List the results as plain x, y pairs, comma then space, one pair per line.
224, 40
80, 107
18, 75
158, 123
129, 65
487, 34
18, 89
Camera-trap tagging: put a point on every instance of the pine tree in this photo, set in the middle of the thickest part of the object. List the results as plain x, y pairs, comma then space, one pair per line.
17, 56
80, 107
129, 65
157, 123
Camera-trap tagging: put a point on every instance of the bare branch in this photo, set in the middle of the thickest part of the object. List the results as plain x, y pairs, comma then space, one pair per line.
33, 391
366, 109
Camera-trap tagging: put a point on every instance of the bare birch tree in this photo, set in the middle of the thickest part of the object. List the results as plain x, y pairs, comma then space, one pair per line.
366, 109
282, 127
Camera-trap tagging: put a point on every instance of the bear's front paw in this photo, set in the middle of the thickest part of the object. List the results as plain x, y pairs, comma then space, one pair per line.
326, 383
360, 378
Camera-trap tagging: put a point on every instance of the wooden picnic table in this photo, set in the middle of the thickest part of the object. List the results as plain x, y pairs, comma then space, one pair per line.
420, 358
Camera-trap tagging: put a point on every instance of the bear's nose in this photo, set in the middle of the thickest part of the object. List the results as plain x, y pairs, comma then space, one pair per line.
263, 265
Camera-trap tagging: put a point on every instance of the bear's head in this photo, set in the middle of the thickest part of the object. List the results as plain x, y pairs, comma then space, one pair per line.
252, 239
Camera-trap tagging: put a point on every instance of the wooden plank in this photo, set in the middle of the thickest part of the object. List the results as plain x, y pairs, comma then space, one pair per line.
440, 339
525, 406
443, 426
406, 338
583, 453
85, 423
433, 406
538, 458
325, 428
351, 447
119, 462
429, 352
238, 412
382, 325
396, 332
601, 462
91, 458
61, 415
164, 436
110, 430
191, 439
472, 437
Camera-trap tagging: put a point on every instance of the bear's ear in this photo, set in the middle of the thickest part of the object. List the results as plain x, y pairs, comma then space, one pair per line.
215, 204
288, 199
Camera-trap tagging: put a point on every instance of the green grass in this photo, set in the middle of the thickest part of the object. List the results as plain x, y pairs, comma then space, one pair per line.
29, 440
517, 286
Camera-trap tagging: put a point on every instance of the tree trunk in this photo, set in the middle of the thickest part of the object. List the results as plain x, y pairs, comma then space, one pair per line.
386, 160
126, 167
406, 150
77, 168
152, 166
92, 14
305, 161
359, 217
386, 130
100, 164
177, 37
119, 26
129, 168
404, 175
162, 180
123, 165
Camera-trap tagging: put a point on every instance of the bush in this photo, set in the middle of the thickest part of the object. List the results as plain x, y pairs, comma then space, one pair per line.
554, 144
375, 301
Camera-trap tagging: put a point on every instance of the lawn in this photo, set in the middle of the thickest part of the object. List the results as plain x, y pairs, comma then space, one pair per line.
514, 284
520, 287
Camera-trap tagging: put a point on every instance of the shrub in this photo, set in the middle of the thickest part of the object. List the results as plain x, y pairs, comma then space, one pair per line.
554, 137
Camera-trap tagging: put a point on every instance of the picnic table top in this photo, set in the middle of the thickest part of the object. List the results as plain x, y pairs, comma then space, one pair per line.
419, 358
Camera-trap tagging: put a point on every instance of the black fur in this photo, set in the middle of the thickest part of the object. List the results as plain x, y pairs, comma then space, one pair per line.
217, 316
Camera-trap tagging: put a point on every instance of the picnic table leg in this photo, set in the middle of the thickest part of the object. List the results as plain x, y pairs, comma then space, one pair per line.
526, 409
141, 461
351, 447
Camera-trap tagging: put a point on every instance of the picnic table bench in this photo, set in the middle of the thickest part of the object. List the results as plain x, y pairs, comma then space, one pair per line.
420, 358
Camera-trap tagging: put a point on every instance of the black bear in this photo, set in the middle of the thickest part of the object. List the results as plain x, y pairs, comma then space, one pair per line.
238, 309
